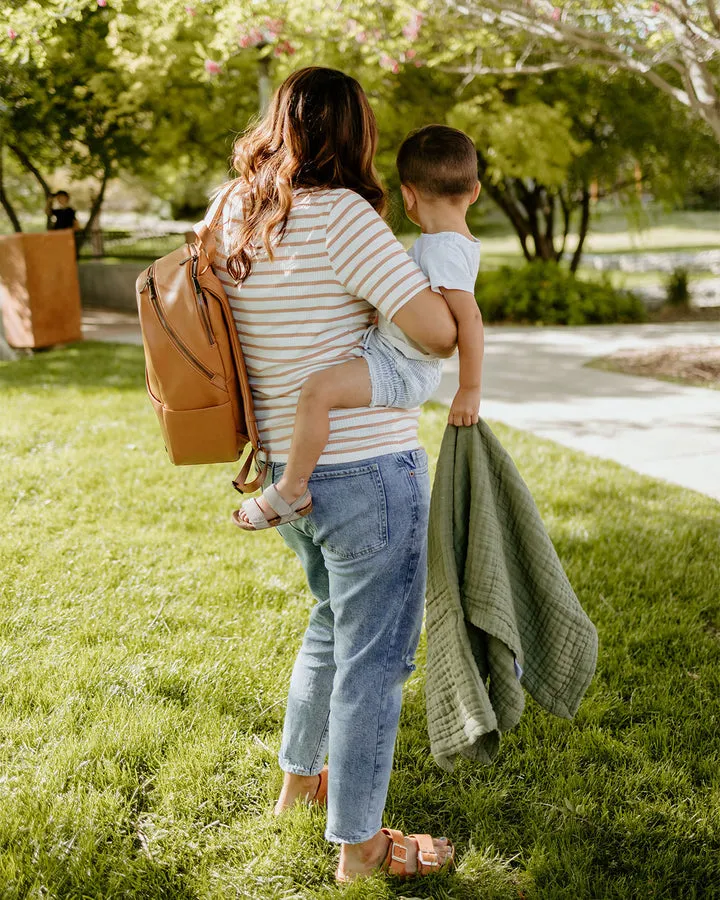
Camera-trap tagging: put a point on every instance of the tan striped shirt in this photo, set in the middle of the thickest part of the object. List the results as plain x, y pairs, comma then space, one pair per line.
307, 310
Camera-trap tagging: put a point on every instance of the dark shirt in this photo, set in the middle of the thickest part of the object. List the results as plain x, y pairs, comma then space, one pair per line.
62, 217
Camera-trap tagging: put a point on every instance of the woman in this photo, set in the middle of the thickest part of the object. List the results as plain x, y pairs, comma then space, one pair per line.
306, 260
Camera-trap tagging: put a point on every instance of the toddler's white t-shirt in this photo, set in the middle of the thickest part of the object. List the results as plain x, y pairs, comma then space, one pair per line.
449, 260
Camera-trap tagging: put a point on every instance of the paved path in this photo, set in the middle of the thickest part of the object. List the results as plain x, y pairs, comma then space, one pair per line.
535, 379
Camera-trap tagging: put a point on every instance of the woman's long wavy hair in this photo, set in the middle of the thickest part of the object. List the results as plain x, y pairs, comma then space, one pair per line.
319, 132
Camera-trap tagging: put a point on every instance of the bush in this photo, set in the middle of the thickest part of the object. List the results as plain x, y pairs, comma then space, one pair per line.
678, 293
542, 293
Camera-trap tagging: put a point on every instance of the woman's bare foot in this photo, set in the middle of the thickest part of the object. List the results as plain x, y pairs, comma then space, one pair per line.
359, 860
296, 787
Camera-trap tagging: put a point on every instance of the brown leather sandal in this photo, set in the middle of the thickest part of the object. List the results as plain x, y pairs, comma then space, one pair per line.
395, 862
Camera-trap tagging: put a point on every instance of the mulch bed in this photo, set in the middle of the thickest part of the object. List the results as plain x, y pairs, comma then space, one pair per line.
693, 365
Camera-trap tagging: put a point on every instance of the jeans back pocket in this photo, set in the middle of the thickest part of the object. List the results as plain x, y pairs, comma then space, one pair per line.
349, 514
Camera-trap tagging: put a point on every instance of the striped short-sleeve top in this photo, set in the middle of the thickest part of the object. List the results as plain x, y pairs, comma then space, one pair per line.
308, 309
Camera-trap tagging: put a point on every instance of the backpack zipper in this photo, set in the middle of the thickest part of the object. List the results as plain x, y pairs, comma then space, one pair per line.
200, 299
172, 334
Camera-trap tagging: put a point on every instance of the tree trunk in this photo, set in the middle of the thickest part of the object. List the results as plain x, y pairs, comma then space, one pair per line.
509, 206
264, 84
85, 232
565, 207
582, 233
531, 209
5, 200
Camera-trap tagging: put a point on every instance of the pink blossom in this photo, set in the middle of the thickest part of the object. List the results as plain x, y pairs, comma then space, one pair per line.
189, 10
284, 48
274, 25
412, 29
252, 38
556, 14
102, 2
12, 34
387, 62
419, 63
361, 37
411, 54
212, 67
656, 7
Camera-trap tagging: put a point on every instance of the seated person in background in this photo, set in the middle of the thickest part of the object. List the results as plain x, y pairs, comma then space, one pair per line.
61, 214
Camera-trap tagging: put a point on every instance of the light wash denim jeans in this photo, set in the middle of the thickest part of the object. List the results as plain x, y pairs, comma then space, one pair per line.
364, 550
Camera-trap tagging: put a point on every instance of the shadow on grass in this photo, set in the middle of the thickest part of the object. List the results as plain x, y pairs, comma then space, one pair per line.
87, 365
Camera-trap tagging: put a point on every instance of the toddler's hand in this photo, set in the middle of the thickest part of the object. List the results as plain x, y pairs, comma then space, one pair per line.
464, 409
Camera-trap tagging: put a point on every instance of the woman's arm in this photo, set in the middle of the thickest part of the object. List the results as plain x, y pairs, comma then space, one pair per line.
427, 320
371, 263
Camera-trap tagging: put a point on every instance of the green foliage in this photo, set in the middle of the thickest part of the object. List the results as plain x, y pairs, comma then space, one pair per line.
543, 293
528, 139
147, 647
678, 292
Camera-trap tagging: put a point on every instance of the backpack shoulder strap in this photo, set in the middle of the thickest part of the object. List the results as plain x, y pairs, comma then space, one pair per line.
204, 231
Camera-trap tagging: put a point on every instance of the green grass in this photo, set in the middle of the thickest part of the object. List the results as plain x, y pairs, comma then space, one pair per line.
146, 647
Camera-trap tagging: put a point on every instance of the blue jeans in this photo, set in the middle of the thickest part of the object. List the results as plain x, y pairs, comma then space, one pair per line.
364, 551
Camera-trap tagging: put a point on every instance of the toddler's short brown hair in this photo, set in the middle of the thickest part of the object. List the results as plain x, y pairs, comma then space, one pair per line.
439, 160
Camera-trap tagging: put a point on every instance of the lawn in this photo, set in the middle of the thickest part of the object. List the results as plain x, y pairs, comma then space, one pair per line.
147, 645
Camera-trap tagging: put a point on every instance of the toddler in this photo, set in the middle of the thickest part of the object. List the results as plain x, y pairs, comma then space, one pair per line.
438, 175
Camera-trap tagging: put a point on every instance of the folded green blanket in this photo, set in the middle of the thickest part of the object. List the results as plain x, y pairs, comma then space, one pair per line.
501, 614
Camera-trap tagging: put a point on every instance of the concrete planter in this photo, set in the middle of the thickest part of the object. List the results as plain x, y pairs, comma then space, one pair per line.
39, 289
109, 285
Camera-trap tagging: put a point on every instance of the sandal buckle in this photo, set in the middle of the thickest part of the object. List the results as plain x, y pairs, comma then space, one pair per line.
426, 862
395, 857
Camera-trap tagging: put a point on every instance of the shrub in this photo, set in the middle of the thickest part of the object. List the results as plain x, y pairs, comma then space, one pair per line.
678, 293
542, 293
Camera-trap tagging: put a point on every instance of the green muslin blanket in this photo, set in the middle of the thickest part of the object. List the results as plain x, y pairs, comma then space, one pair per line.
501, 614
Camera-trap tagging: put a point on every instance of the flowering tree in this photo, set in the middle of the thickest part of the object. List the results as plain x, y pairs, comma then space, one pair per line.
114, 86
671, 44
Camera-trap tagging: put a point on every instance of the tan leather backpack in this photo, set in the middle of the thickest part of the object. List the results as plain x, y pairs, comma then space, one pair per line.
194, 367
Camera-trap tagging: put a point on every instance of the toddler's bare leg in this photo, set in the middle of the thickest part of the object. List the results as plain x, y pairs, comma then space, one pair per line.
344, 386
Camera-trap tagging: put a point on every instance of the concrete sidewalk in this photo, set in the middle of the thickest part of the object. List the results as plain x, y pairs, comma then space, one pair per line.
536, 379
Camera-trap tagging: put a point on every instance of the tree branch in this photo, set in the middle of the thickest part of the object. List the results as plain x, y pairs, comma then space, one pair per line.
27, 163
603, 48
582, 233
4, 199
713, 13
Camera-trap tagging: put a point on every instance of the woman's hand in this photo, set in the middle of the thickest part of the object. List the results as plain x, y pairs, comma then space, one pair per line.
465, 407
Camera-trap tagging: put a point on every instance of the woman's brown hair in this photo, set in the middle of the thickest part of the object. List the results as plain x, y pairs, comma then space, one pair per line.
319, 132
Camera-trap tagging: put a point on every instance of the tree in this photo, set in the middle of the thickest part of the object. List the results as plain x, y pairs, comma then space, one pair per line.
671, 44
74, 103
546, 145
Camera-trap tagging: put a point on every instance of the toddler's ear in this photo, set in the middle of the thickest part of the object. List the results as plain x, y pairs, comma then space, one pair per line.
409, 198
476, 192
